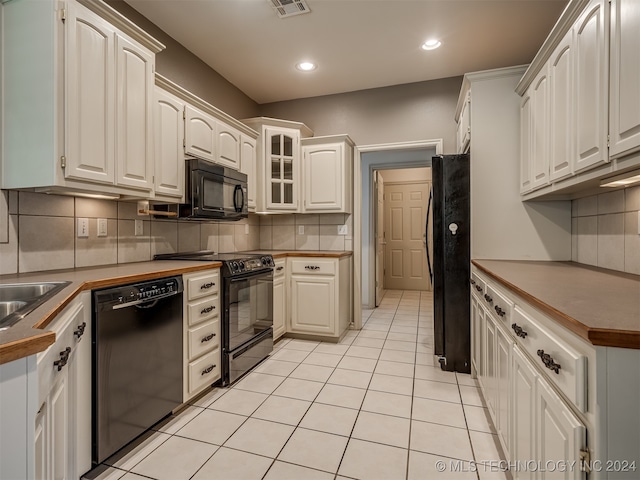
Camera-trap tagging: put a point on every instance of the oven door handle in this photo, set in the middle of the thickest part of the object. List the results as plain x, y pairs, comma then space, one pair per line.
252, 276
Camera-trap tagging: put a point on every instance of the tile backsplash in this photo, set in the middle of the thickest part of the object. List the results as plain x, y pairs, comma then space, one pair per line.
604, 230
38, 233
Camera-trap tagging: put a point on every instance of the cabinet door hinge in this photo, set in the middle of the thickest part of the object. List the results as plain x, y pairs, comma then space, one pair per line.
608, 140
63, 161
184, 143
63, 14
184, 113
585, 461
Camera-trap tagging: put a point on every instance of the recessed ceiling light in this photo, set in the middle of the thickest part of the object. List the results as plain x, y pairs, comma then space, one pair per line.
306, 66
431, 44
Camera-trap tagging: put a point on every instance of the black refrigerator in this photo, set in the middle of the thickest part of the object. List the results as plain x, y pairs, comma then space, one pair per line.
450, 204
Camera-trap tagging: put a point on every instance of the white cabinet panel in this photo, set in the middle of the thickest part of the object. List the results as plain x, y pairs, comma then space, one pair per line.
591, 87
134, 114
313, 303
228, 145
248, 158
90, 93
526, 143
523, 413
540, 130
200, 134
279, 307
282, 168
169, 151
561, 107
624, 108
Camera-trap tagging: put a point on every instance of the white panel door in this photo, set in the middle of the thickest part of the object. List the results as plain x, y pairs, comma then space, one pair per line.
624, 107
248, 158
490, 370
561, 95
324, 182
380, 238
279, 326
200, 134
591, 87
134, 115
523, 414
405, 224
90, 94
540, 130
560, 434
526, 145
169, 151
228, 145
503, 378
313, 304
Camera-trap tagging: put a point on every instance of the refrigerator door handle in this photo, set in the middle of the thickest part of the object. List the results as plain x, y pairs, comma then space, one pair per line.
426, 234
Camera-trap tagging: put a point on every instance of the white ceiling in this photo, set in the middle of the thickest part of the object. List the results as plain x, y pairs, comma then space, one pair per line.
357, 44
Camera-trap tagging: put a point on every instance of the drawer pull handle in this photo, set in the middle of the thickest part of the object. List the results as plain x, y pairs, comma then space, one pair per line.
64, 358
548, 361
80, 330
488, 298
478, 288
208, 337
519, 331
210, 308
279, 268
206, 286
312, 267
499, 311
472, 281
209, 369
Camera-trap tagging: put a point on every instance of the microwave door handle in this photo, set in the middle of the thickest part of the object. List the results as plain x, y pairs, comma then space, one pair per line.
235, 198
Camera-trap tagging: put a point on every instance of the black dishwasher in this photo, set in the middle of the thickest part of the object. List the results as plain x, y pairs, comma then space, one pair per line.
136, 361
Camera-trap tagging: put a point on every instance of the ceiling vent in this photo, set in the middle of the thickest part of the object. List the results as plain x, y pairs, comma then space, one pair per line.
289, 8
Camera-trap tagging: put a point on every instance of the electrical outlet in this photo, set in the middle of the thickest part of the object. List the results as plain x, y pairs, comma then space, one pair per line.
342, 230
300, 229
139, 228
83, 227
102, 227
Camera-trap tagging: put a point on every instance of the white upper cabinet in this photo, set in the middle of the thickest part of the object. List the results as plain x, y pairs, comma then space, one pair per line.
228, 145
169, 151
134, 114
624, 109
540, 130
200, 134
91, 94
561, 137
279, 164
327, 170
86, 95
248, 157
525, 143
591, 86
463, 133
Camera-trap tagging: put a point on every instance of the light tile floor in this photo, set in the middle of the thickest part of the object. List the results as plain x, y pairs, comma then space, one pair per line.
374, 406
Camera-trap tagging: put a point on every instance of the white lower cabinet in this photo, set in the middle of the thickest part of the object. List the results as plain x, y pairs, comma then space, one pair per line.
320, 296
62, 436
279, 298
523, 412
201, 335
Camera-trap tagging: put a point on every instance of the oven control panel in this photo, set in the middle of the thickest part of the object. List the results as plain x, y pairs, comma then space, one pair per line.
250, 264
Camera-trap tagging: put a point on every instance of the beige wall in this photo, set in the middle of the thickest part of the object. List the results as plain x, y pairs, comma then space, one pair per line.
184, 68
405, 175
605, 230
401, 113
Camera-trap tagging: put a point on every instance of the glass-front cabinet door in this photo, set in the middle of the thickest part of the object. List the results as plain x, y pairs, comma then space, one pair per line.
282, 169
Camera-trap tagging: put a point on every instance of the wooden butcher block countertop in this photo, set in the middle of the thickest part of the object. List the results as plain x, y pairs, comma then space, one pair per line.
602, 306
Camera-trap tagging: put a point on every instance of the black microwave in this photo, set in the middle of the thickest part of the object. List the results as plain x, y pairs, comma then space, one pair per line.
212, 192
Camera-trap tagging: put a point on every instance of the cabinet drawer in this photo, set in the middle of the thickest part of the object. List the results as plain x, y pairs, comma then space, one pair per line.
280, 268
314, 266
477, 285
202, 310
563, 365
204, 371
499, 305
203, 338
201, 285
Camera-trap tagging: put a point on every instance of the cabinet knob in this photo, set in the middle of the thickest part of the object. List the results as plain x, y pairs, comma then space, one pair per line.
279, 268
478, 288
500, 311
64, 358
312, 267
472, 281
210, 308
519, 331
488, 298
209, 369
548, 361
206, 286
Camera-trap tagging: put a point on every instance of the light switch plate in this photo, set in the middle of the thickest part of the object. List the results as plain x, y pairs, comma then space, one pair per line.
102, 227
83, 227
246, 229
139, 228
342, 230
300, 229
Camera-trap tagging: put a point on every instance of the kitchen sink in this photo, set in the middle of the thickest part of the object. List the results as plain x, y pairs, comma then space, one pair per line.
17, 300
